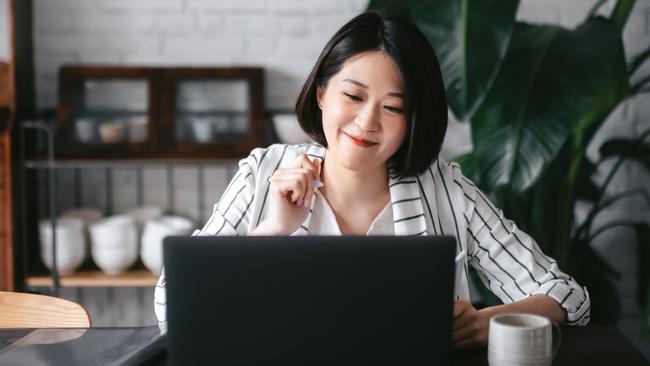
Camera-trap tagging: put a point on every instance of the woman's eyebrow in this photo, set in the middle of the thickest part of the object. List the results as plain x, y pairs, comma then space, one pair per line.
358, 83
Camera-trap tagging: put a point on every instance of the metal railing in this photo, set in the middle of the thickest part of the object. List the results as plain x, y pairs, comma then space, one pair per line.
47, 178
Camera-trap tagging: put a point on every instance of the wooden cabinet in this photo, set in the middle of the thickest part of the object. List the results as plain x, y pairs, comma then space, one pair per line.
6, 243
156, 112
6, 222
117, 118
16, 103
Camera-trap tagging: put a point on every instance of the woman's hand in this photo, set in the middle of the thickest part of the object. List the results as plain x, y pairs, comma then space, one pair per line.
291, 192
470, 326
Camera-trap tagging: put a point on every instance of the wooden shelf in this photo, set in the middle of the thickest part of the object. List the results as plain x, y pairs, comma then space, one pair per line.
135, 278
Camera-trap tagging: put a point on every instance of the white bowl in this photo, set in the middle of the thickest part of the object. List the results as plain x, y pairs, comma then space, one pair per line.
70, 244
112, 132
87, 215
288, 130
114, 232
86, 129
202, 129
143, 214
137, 127
114, 261
152, 237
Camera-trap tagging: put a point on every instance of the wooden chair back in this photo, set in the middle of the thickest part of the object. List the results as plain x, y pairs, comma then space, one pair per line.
21, 310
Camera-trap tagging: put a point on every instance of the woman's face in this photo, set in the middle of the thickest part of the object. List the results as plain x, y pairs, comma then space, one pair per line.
363, 112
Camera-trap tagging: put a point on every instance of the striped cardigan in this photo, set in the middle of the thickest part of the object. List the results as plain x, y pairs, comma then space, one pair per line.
439, 201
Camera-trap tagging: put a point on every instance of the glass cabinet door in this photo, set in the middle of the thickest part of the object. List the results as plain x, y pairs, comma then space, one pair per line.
211, 111
112, 111
109, 112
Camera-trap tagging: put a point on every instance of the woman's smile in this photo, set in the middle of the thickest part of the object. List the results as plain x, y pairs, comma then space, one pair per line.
359, 141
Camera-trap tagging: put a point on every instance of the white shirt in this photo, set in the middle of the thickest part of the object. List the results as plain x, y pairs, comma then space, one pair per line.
324, 221
440, 201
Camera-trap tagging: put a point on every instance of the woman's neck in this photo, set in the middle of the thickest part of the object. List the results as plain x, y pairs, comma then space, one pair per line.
346, 187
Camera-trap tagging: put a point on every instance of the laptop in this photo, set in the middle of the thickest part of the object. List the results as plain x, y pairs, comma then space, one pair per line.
309, 300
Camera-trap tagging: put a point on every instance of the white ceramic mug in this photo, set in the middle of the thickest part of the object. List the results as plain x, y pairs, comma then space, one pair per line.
522, 339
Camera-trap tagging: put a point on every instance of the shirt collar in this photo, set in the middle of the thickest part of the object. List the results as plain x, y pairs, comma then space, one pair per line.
405, 197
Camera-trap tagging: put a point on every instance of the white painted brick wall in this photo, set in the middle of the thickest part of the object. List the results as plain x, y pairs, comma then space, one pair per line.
188, 32
4, 30
285, 37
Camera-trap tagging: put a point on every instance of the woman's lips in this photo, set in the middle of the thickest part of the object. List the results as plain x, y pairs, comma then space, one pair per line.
359, 141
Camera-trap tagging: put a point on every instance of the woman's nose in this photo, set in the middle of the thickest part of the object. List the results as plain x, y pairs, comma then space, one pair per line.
367, 118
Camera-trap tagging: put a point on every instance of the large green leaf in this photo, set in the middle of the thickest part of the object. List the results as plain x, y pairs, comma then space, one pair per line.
552, 80
470, 38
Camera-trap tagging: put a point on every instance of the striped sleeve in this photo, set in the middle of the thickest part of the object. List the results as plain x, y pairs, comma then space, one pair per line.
160, 303
230, 216
512, 264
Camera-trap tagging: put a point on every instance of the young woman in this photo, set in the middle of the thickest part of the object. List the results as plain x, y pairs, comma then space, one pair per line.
375, 104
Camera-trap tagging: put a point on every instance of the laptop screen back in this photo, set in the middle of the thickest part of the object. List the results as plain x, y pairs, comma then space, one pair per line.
309, 300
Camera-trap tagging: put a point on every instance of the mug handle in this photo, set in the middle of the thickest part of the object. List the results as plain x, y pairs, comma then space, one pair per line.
557, 337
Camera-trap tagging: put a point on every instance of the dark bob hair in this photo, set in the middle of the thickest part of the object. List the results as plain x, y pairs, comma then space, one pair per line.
424, 90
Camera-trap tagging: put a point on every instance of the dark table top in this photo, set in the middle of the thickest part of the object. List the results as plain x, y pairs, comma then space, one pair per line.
82, 346
591, 345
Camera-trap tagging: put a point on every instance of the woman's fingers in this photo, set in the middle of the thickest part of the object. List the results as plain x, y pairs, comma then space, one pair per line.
470, 326
305, 171
308, 184
303, 161
289, 186
466, 343
461, 322
292, 184
315, 175
469, 329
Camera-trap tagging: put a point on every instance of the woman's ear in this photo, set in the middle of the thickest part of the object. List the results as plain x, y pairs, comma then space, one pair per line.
320, 91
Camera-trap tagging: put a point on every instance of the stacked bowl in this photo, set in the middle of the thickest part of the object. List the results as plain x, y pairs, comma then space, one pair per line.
70, 244
114, 245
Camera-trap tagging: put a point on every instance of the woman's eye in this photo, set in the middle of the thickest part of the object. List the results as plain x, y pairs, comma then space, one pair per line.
353, 97
394, 109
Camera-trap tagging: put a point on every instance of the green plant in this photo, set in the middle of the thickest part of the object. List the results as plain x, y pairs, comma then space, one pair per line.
535, 96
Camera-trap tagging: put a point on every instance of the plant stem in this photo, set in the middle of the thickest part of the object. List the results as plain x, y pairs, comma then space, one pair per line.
640, 84
595, 8
611, 225
637, 61
586, 225
621, 13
